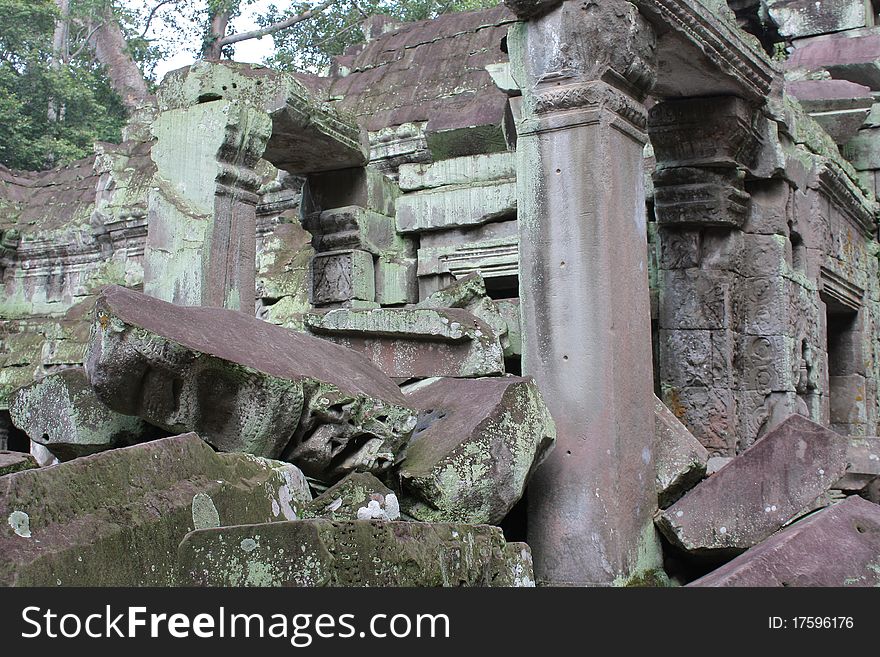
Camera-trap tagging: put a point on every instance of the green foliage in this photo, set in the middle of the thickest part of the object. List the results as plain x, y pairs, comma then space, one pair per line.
310, 45
49, 115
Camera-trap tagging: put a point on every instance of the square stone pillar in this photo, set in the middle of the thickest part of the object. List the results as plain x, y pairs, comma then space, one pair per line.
584, 289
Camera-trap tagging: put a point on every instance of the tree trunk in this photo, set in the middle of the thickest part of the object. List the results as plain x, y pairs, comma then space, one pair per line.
59, 52
213, 47
110, 48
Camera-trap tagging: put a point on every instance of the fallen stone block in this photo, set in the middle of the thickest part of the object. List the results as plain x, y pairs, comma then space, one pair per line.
62, 413
245, 385
116, 518
320, 552
345, 499
474, 449
863, 464
856, 59
679, 458
839, 106
757, 493
414, 342
837, 546
16, 462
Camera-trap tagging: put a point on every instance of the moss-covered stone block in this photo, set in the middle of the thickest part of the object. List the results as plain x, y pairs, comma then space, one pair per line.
476, 445
62, 413
320, 552
116, 518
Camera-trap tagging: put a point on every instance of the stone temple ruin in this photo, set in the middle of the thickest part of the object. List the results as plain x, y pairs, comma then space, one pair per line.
575, 293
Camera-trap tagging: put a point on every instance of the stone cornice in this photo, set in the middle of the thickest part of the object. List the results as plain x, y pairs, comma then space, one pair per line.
732, 51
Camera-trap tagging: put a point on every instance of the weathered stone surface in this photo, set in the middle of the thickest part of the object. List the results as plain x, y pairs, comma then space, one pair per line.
715, 463
62, 413
863, 463
680, 459
245, 385
431, 72
353, 227
116, 518
458, 171
839, 106
320, 552
757, 493
802, 18
415, 342
475, 447
863, 149
856, 59
837, 546
455, 206
347, 497
16, 462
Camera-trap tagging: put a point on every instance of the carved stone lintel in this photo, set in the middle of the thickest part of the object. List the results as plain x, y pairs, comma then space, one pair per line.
704, 132
732, 54
688, 196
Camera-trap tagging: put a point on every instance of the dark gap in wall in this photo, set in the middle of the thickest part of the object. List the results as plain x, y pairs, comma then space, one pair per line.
12, 438
515, 523
502, 287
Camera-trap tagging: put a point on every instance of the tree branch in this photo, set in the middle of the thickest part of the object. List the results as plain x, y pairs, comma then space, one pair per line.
152, 15
86, 42
275, 27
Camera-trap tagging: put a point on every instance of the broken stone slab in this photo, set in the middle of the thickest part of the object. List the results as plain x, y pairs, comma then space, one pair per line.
839, 106
856, 59
757, 493
469, 292
680, 459
414, 342
116, 518
16, 462
476, 445
837, 546
245, 385
863, 464
455, 206
321, 552
62, 413
345, 499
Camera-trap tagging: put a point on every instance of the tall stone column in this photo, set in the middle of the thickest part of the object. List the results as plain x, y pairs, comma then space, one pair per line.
583, 68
